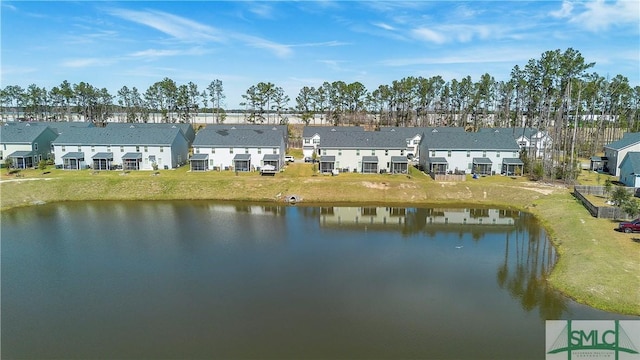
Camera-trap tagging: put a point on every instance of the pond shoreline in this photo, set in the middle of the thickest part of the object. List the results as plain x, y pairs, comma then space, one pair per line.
588, 247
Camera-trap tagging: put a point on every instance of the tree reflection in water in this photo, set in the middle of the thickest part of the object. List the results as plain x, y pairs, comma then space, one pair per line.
528, 259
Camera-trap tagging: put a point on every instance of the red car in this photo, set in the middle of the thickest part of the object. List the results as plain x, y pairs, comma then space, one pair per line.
629, 226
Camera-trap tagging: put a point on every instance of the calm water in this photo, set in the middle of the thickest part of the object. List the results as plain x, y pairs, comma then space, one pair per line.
210, 280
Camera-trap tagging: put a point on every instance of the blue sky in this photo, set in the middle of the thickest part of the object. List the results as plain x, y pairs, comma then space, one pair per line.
111, 44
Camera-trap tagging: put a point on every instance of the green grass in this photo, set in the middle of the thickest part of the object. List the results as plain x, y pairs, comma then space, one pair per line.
597, 266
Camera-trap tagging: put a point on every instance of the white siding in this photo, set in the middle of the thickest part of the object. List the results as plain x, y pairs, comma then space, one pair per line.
462, 160
222, 157
352, 159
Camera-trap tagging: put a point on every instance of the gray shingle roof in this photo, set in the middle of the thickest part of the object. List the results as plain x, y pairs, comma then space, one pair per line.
186, 128
200, 157
370, 159
363, 140
310, 131
482, 160
271, 157
516, 132
327, 158
437, 160
470, 141
512, 161
399, 159
118, 136
103, 156
627, 140
132, 156
20, 154
410, 132
73, 155
214, 137
634, 158
242, 157
21, 133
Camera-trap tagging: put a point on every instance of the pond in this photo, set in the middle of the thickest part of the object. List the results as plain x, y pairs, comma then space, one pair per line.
199, 279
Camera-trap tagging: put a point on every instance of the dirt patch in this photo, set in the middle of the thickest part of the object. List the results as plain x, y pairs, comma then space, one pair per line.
372, 185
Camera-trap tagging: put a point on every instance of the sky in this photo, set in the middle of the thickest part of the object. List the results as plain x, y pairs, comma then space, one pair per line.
292, 44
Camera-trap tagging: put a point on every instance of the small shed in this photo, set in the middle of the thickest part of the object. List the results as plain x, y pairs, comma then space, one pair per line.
596, 163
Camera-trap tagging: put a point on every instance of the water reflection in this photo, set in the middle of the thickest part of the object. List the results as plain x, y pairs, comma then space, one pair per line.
198, 279
528, 255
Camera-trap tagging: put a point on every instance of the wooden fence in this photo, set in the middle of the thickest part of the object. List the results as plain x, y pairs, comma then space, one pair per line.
605, 212
448, 177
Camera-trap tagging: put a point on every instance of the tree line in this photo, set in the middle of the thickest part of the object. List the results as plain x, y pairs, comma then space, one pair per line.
555, 93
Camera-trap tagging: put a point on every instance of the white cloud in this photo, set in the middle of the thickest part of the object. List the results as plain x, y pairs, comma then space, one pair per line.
459, 33
151, 54
279, 50
262, 10
429, 35
86, 62
384, 26
172, 25
564, 11
191, 31
600, 15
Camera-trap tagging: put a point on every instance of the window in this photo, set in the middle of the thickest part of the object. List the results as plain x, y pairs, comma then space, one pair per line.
275, 150
93, 148
497, 153
324, 152
109, 148
468, 153
386, 153
449, 153
358, 152
137, 148
259, 150
213, 150
339, 152
146, 148
230, 150
401, 152
35, 146
63, 148
197, 150
433, 153
416, 142
161, 148
79, 148
121, 148
307, 141
246, 150
373, 153
484, 154
53, 149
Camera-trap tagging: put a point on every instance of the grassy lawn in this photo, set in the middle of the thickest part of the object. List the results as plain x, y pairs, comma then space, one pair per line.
598, 266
